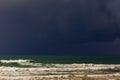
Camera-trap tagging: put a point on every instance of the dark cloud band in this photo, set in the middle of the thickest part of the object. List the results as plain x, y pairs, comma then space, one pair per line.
54, 25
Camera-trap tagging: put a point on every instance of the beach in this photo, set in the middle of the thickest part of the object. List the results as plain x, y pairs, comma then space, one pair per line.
39, 71
8, 73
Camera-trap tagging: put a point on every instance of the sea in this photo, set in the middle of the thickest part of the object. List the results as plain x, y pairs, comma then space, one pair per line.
68, 59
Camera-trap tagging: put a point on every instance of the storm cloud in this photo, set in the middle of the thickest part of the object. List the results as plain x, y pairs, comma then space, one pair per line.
58, 26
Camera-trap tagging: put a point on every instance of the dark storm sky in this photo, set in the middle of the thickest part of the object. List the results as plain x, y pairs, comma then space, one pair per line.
59, 27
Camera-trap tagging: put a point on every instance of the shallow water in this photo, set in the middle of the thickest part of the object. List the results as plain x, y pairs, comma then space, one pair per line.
68, 59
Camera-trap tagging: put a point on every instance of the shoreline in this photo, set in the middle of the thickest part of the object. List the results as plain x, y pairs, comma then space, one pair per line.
43, 73
39, 71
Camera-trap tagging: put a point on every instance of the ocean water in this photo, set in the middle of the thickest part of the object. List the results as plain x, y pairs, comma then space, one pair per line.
68, 59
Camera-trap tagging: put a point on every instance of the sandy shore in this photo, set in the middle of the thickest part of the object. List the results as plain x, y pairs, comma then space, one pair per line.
39, 71
64, 77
